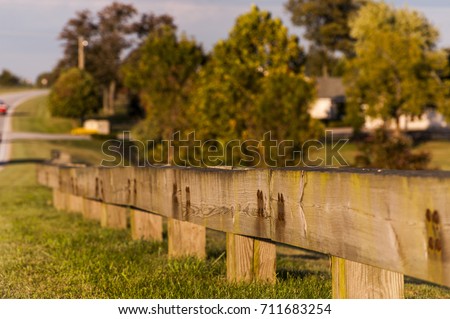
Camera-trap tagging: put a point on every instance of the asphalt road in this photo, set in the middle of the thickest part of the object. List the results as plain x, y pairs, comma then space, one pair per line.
13, 99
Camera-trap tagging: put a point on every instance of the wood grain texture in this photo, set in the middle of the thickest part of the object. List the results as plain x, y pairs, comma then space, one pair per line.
60, 199
264, 261
75, 204
115, 217
352, 280
48, 175
376, 218
92, 209
186, 239
146, 226
250, 259
239, 258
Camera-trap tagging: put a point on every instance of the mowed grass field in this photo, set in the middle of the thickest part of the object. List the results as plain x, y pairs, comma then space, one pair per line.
12, 89
47, 253
34, 116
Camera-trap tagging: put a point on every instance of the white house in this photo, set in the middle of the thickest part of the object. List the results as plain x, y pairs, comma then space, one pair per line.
429, 120
330, 105
330, 99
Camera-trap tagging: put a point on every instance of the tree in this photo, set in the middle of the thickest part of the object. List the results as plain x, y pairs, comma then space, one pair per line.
251, 78
7, 78
382, 150
395, 70
114, 30
162, 71
321, 63
45, 79
444, 75
74, 95
326, 25
151, 23
82, 25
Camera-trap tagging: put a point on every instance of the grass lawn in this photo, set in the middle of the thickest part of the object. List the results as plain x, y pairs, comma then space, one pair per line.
12, 89
33, 116
47, 253
439, 150
440, 154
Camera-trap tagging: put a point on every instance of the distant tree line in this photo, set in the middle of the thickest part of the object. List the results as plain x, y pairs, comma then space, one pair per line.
7, 78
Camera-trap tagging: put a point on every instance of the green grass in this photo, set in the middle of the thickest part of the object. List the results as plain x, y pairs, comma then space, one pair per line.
33, 116
12, 89
47, 253
440, 153
439, 150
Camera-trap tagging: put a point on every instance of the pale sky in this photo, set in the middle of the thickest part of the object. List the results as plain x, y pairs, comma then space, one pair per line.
29, 28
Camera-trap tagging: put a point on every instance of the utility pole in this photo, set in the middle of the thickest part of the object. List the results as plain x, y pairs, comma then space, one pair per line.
81, 44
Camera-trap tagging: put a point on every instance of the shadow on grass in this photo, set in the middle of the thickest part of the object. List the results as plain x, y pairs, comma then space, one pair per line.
305, 257
418, 282
22, 161
285, 274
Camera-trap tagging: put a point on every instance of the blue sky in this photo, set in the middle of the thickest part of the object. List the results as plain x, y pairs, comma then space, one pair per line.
29, 28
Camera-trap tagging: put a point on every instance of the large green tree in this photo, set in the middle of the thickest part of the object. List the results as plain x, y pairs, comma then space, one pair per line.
254, 83
325, 24
114, 26
162, 71
395, 70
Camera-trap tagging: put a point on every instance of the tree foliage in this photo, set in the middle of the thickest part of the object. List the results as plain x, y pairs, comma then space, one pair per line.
325, 22
253, 83
326, 26
82, 25
7, 78
74, 95
113, 30
395, 70
444, 75
45, 79
162, 72
383, 150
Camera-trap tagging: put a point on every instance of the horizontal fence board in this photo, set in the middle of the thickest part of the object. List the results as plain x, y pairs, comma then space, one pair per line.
378, 218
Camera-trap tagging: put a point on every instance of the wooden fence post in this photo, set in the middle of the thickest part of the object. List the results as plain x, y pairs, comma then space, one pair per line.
250, 259
352, 280
75, 203
186, 239
115, 217
146, 226
92, 209
59, 199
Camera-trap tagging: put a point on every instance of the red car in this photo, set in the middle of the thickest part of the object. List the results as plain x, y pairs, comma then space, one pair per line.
3, 107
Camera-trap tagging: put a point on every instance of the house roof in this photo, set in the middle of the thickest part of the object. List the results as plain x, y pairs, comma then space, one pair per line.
328, 87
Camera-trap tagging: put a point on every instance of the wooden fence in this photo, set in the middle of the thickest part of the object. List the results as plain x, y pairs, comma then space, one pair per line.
377, 225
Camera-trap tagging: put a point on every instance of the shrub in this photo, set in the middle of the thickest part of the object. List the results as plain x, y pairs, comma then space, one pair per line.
74, 95
385, 150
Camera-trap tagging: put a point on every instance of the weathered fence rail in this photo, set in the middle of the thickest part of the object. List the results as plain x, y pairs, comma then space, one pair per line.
377, 225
